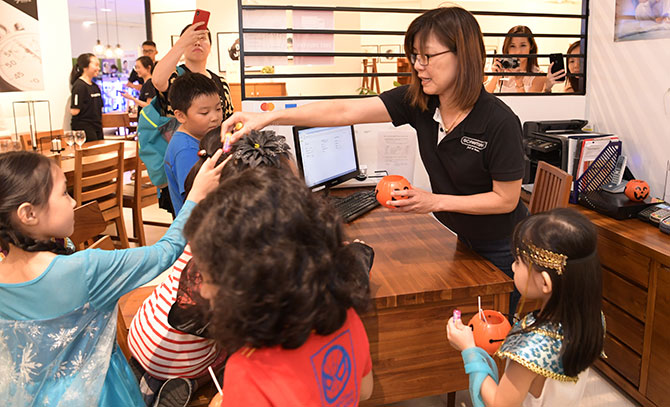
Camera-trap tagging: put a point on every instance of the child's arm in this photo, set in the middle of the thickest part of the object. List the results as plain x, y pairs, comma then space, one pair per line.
366, 387
515, 383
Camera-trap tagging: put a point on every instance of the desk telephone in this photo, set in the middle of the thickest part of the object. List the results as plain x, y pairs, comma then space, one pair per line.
615, 185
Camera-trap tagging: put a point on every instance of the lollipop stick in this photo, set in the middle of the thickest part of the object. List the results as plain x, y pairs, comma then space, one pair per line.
216, 382
481, 312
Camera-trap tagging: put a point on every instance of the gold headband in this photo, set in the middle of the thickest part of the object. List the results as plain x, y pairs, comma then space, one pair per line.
543, 258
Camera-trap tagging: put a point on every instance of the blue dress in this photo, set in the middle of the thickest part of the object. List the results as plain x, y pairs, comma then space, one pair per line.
58, 331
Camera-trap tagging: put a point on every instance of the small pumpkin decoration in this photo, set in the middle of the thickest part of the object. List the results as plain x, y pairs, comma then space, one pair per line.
389, 184
637, 190
489, 334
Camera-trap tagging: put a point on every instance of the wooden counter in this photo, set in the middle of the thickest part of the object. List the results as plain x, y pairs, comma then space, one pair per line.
636, 289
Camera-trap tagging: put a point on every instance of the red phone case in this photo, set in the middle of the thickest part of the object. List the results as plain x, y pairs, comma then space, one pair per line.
201, 15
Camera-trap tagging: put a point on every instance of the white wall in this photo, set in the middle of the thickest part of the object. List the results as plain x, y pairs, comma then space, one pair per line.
56, 60
626, 87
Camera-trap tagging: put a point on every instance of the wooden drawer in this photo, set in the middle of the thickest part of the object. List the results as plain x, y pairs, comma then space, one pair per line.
624, 261
624, 294
623, 360
622, 326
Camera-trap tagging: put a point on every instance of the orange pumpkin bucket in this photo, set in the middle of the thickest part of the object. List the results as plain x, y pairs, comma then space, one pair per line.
489, 334
389, 184
637, 190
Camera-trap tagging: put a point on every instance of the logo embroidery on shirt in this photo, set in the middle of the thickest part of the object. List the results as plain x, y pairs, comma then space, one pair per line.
473, 144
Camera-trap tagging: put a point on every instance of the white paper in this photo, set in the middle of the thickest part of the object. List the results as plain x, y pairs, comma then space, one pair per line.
314, 20
396, 152
590, 151
268, 42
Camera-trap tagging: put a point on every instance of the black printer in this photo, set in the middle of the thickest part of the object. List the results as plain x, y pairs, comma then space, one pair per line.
555, 142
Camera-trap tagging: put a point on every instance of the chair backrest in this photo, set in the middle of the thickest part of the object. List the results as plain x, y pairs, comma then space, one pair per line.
551, 190
116, 119
98, 175
88, 223
143, 188
104, 243
42, 138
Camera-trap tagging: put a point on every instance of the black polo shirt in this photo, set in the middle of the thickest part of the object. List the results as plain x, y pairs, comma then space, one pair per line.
88, 100
485, 146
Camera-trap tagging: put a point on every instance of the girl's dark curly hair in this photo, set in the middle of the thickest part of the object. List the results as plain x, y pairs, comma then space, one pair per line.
24, 177
275, 252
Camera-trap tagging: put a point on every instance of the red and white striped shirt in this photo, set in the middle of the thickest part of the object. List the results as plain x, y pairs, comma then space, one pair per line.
163, 351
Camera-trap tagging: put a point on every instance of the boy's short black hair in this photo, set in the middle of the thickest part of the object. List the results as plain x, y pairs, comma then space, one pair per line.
189, 86
149, 43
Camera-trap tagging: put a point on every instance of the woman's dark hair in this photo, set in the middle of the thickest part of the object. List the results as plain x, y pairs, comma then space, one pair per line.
189, 86
275, 252
459, 31
576, 296
573, 80
24, 177
83, 61
259, 148
146, 62
522, 29
209, 34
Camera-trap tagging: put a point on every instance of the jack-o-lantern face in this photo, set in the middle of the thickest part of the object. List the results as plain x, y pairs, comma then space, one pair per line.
637, 190
489, 335
389, 184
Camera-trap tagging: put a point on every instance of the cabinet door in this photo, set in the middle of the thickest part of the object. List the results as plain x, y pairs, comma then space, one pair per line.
236, 96
658, 387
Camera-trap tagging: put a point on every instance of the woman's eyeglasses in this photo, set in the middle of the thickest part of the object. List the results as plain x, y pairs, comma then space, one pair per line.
424, 59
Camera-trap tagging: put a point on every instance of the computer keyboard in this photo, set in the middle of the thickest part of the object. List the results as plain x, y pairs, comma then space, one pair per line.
356, 204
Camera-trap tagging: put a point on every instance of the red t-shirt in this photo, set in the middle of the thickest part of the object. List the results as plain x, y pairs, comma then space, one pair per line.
324, 371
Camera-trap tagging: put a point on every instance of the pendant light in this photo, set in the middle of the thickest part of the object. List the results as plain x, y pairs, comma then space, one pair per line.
109, 52
98, 48
118, 51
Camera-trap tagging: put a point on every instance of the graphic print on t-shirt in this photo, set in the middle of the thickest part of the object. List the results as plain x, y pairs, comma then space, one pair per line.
335, 372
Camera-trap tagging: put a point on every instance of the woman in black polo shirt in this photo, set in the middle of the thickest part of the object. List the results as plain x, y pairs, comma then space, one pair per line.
143, 67
469, 140
86, 101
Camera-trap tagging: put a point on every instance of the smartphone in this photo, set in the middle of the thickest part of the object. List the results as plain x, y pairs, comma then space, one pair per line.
557, 59
201, 15
118, 92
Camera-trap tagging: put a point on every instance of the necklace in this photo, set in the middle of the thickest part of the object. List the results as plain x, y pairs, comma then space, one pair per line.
451, 126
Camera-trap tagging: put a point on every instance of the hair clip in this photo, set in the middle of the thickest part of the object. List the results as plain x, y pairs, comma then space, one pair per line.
543, 257
261, 148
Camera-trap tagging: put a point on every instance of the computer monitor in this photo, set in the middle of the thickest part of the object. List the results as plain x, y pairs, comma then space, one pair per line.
326, 156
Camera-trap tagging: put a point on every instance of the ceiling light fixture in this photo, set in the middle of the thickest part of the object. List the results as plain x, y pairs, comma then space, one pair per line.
118, 51
98, 48
109, 52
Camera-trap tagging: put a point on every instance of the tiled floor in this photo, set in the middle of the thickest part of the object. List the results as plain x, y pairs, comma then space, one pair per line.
600, 393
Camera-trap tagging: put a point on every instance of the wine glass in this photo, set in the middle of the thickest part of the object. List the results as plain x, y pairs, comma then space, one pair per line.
79, 137
68, 135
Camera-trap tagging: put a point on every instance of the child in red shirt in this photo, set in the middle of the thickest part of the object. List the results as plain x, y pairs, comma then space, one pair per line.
284, 292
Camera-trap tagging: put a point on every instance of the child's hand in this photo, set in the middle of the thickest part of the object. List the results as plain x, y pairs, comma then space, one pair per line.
207, 178
460, 336
217, 401
249, 121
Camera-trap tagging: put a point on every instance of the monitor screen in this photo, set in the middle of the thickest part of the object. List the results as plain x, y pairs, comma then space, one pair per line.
326, 155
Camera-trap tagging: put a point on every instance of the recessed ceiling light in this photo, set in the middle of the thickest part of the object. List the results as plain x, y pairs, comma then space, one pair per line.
88, 23
106, 10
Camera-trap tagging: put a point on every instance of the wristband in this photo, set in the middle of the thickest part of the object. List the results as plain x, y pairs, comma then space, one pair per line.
478, 365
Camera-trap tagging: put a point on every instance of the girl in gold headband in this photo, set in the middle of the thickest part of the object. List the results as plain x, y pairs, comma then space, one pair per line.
549, 350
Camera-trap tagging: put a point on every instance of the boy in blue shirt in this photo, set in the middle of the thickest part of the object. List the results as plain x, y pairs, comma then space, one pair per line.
197, 106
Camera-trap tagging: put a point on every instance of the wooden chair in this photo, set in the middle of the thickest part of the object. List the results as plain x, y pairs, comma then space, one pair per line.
140, 194
117, 120
43, 140
88, 224
98, 175
551, 190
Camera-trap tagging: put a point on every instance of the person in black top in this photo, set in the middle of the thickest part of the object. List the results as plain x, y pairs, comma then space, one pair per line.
195, 46
148, 50
143, 66
469, 140
86, 101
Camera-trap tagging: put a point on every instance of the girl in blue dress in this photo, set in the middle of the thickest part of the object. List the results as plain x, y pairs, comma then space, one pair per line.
57, 308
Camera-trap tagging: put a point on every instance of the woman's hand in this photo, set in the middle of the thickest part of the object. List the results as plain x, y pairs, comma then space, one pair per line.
191, 36
460, 336
207, 178
497, 66
553, 78
249, 121
418, 201
127, 95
